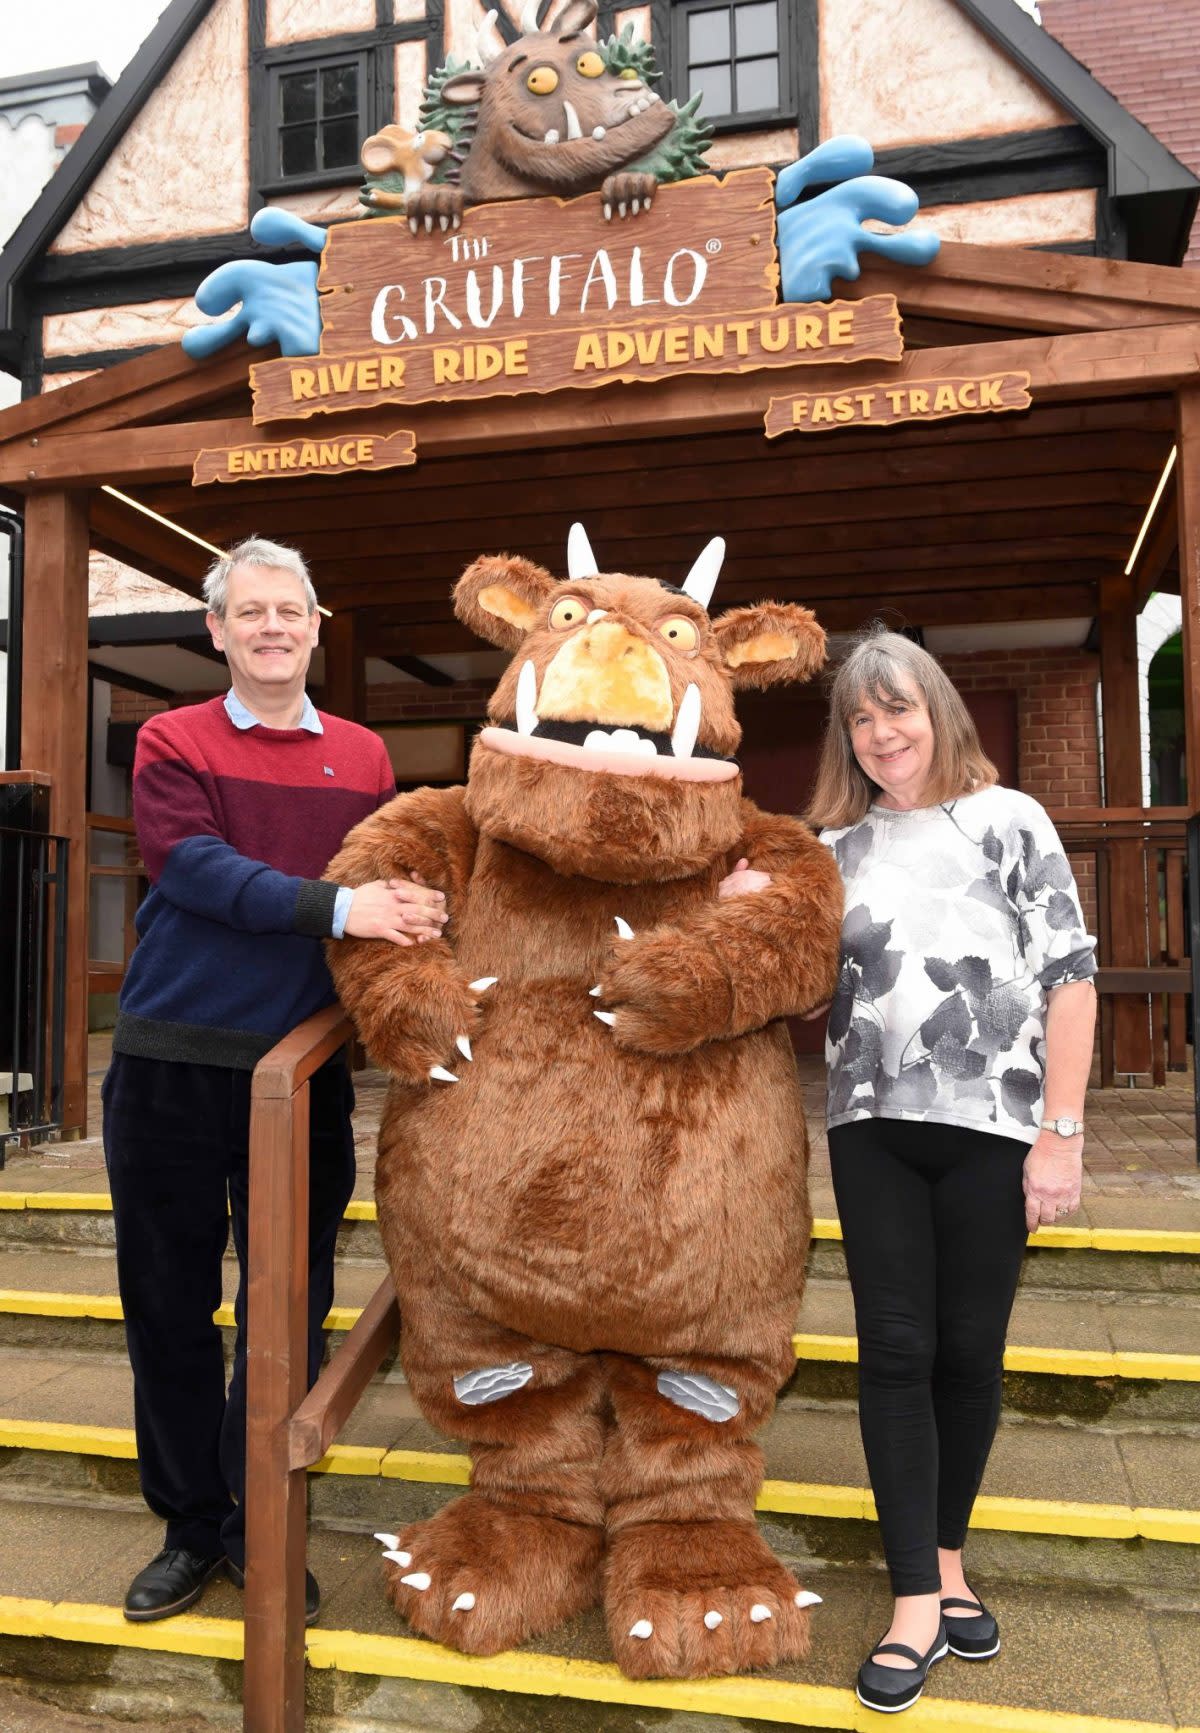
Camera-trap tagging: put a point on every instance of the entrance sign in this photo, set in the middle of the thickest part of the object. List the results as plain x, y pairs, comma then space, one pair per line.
539, 295
317, 456
882, 403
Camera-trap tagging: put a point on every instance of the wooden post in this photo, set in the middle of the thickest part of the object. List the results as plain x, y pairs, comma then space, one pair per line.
276, 1380
345, 692
54, 733
1123, 787
1187, 471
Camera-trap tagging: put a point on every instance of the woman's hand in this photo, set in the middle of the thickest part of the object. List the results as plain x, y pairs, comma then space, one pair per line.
1053, 1179
743, 880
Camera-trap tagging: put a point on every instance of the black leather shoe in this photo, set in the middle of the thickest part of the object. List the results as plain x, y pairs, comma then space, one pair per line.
891, 1689
168, 1585
972, 1639
312, 1593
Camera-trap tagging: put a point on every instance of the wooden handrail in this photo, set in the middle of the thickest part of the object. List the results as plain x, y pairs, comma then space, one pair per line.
332, 1399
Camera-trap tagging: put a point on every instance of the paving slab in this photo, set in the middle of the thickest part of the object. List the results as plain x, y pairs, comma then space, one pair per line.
21, 1713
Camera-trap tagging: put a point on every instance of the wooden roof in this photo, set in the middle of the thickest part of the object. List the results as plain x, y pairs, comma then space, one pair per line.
984, 518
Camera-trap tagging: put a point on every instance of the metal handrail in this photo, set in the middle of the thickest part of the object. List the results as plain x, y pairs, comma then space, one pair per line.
35, 906
289, 1427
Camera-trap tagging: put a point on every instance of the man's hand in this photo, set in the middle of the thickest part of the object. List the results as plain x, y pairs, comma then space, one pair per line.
1052, 1180
403, 911
743, 880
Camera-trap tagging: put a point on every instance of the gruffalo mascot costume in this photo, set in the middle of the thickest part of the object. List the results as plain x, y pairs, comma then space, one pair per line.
591, 1174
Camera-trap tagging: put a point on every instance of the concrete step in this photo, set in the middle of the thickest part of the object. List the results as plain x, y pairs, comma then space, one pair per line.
1144, 1248
1124, 1659
66, 1436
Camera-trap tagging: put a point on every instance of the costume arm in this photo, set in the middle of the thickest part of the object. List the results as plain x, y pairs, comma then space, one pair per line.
192, 865
731, 966
409, 1003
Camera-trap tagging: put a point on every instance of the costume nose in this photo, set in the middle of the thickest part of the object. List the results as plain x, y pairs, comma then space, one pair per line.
608, 641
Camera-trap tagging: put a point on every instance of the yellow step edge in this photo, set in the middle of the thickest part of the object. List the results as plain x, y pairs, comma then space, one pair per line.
540, 1675
1063, 1362
1181, 1241
780, 1497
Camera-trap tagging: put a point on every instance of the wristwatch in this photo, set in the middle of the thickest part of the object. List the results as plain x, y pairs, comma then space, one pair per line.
1064, 1127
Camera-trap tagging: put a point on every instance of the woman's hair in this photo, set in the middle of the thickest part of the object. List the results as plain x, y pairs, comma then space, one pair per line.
887, 668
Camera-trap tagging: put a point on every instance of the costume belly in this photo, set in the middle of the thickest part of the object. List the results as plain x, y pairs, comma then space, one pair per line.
596, 1217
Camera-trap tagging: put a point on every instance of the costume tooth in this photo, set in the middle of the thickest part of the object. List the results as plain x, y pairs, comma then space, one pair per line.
527, 716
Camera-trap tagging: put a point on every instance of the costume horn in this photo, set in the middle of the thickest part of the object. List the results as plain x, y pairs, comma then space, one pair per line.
701, 581
581, 561
529, 17
484, 47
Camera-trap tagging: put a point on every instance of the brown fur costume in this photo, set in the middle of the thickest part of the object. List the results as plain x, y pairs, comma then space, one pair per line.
601, 1202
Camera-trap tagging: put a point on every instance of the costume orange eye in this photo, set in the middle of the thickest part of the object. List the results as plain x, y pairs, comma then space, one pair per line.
569, 612
680, 632
590, 64
629, 74
542, 80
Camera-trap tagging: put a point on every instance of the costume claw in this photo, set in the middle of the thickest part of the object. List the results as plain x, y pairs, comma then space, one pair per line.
636, 206
595, 992
759, 1614
463, 1043
712, 1620
621, 207
608, 1017
413, 224
443, 223
624, 930
429, 223
419, 1580
608, 213
806, 1598
457, 220
403, 1559
441, 1075
643, 1628
392, 1540
483, 983
464, 1603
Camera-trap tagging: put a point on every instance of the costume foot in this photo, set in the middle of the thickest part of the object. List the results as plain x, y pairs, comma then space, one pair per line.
482, 1578
687, 1600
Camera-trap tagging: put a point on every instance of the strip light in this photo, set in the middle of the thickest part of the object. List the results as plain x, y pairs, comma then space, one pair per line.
147, 511
1151, 509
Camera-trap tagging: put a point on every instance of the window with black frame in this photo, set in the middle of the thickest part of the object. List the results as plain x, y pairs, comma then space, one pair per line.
320, 121
737, 54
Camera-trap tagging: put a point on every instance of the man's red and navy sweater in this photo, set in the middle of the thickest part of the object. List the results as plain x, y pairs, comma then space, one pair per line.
235, 829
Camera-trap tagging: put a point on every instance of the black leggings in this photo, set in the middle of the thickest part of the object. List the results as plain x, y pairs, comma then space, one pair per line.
933, 1223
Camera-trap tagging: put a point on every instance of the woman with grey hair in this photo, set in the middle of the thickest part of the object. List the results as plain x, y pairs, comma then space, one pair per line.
958, 1048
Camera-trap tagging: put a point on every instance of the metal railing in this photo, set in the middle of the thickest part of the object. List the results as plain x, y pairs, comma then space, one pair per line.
33, 983
287, 1428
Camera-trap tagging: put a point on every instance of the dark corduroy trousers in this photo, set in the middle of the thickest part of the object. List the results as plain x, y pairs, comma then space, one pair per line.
176, 1144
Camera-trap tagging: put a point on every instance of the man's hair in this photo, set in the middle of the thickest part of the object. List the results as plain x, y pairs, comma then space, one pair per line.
255, 551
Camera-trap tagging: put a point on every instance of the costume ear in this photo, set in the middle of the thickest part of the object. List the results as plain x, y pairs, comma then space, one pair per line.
770, 643
501, 598
463, 88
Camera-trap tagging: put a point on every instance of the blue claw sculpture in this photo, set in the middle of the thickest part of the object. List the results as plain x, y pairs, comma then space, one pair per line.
822, 238
279, 303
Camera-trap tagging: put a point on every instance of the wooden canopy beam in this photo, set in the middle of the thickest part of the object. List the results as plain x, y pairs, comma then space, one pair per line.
1091, 364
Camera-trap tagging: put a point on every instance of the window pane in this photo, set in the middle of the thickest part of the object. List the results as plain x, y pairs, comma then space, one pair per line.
339, 143
297, 149
708, 36
298, 96
757, 28
714, 82
339, 89
757, 85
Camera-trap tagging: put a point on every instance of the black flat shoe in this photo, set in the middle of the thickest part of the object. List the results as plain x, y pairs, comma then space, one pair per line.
890, 1689
975, 1639
173, 1581
312, 1593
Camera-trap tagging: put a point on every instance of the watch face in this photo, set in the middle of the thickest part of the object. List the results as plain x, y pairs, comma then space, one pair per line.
1065, 1127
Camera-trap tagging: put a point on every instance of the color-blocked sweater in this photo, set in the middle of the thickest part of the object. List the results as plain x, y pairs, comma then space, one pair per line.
235, 829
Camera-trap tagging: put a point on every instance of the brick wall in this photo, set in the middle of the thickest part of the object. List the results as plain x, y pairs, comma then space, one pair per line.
1058, 747
1144, 51
126, 706
408, 702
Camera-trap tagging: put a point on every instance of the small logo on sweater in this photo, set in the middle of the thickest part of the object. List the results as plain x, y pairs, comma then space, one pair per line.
328, 769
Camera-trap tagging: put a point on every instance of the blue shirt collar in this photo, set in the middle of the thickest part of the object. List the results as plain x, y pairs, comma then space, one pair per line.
243, 718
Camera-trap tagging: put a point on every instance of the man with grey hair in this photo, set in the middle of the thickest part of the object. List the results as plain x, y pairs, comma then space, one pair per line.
240, 803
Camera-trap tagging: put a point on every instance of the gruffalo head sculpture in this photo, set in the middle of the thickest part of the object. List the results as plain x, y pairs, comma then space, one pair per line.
550, 113
611, 738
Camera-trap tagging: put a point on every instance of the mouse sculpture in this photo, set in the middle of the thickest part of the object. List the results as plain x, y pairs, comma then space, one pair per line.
553, 112
591, 1178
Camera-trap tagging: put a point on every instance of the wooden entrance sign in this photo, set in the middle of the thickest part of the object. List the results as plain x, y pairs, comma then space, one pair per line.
316, 456
883, 403
538, 295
